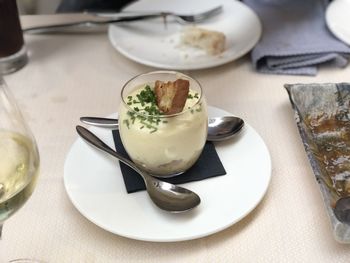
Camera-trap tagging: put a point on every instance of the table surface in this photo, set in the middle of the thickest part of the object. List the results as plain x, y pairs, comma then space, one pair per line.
71, 75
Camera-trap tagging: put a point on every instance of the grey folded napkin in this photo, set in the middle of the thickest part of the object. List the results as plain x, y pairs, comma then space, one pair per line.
295, 38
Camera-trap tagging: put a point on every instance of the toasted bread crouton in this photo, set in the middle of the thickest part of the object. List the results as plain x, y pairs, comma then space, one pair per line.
213, 42
171, 96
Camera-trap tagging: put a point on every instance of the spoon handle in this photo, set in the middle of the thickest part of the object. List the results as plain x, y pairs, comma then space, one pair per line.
95, 141
101, 122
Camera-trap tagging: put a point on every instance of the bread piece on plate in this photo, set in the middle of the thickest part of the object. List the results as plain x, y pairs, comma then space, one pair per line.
171, 96
213, 42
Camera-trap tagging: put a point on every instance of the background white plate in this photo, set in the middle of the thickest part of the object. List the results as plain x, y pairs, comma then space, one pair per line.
95, 186
338, 19
150, 43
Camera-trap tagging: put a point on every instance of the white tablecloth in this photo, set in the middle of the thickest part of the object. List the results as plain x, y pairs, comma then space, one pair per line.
72, 75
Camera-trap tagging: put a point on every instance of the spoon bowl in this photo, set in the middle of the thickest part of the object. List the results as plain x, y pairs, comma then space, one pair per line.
219, 128
166, 196
223, 128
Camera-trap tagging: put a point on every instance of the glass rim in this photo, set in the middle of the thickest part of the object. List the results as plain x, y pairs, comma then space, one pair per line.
161, 115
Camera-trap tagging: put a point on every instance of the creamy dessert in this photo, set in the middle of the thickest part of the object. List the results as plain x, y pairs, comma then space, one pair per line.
163, 126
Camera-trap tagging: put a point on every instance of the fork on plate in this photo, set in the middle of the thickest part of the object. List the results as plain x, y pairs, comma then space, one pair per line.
124, 17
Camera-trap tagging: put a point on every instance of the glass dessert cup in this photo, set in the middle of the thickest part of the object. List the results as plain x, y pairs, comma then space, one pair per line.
163, 145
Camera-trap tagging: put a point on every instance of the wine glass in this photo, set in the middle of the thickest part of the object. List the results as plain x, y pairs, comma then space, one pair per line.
19, 157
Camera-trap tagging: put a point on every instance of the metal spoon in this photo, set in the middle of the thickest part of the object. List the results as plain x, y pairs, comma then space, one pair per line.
219, 128
166, 196
222, 128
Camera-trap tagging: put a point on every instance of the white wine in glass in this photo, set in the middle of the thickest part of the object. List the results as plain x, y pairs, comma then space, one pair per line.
19, 157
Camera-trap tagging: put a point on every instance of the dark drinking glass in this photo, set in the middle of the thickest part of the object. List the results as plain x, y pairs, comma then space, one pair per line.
13, 54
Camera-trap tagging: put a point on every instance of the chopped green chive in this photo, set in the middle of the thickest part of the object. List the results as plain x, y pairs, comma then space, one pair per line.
147, 104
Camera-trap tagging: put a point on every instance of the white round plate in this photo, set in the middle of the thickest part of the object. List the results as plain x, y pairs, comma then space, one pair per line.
338, 19
153, 44
95, 186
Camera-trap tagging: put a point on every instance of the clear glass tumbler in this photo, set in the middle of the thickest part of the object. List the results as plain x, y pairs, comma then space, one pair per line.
163, 145
13, 54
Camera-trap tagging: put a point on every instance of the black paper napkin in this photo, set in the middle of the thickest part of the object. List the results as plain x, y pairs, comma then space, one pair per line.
207, 166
